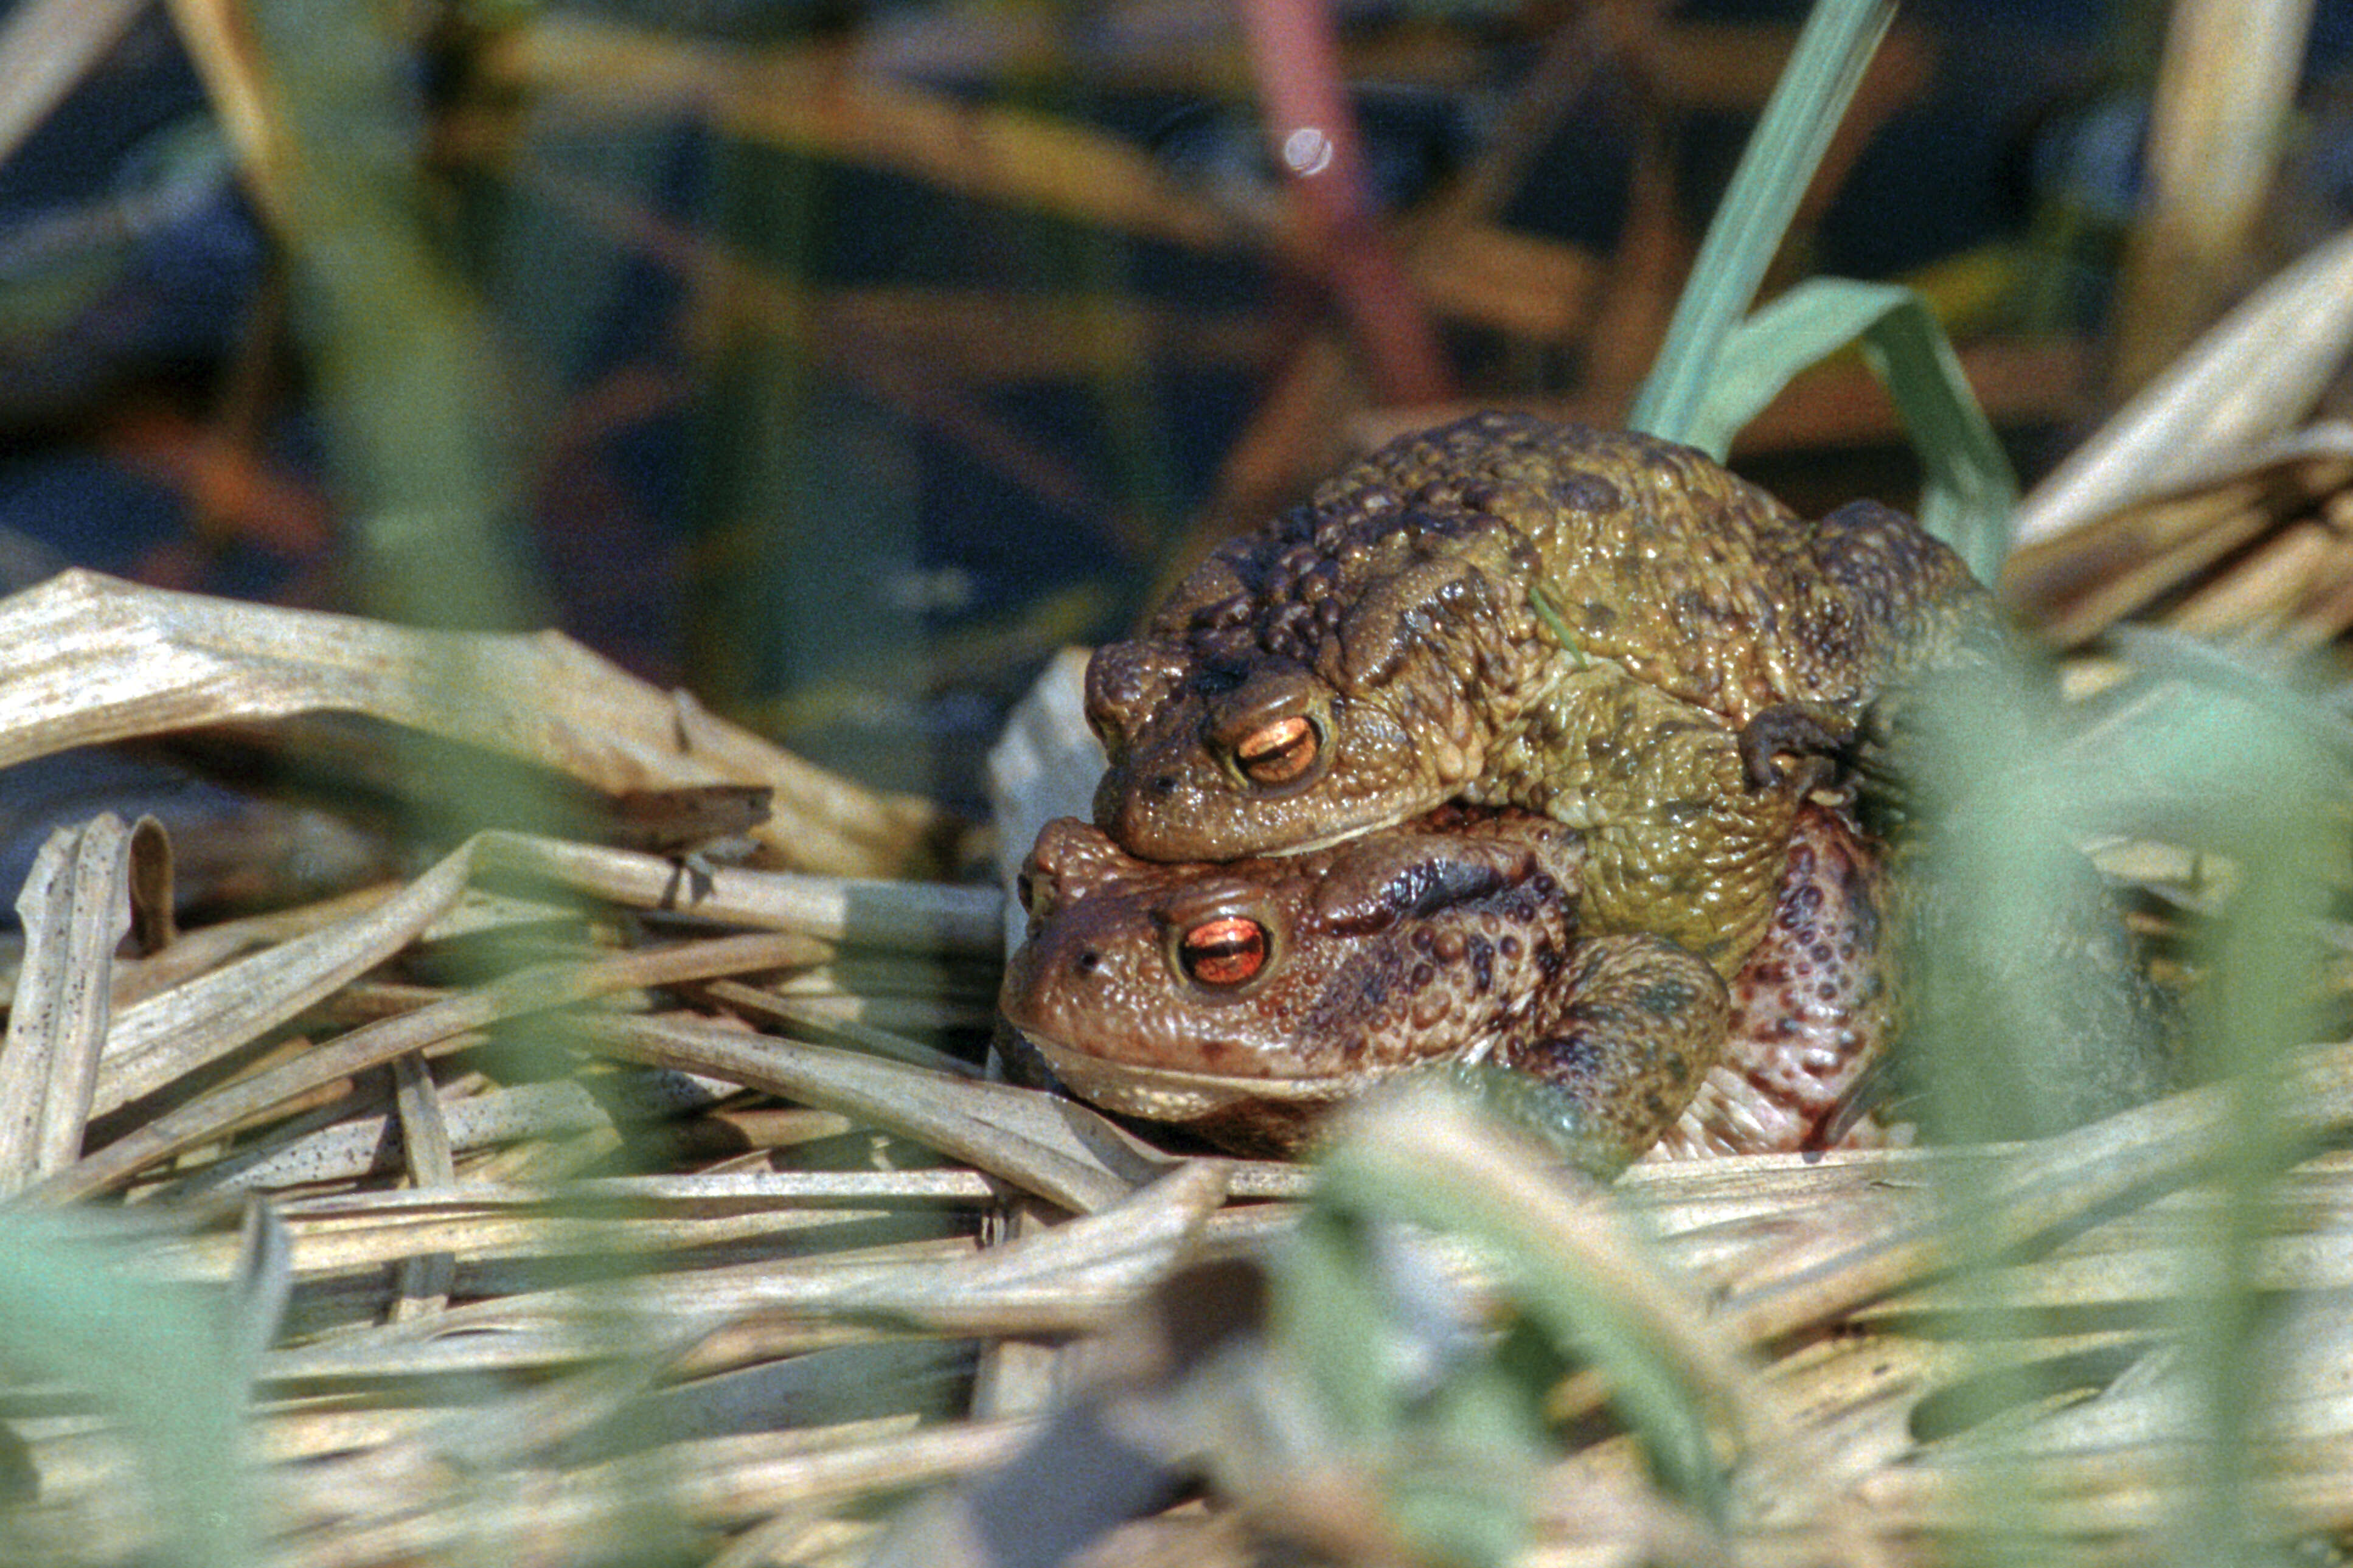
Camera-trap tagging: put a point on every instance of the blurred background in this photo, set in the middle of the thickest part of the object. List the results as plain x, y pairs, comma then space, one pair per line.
839, 362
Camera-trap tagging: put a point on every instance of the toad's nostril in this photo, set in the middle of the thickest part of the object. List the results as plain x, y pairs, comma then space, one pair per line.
1087, 961
1164, 783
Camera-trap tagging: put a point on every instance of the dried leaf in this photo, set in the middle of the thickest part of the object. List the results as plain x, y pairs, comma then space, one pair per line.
46, 49
182, 1029
2253, 377
1054, 1148
421, 1282
106, 661
76, 908
374, 1044
923, 916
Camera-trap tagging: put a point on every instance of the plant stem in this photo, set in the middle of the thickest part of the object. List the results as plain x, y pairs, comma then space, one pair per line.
1838, 42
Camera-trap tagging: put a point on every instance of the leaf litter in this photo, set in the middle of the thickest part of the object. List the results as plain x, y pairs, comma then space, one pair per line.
635, 1236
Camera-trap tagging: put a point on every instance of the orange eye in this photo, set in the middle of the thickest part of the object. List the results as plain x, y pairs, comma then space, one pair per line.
1223, 952
1278, 753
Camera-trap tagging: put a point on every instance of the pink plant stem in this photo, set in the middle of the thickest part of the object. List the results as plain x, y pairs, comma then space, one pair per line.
1296, 59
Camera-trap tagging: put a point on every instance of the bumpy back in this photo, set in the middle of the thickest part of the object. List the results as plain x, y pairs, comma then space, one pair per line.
1379, 649
1653, 556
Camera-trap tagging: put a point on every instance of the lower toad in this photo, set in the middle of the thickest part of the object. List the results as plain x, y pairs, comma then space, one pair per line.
1244, 1000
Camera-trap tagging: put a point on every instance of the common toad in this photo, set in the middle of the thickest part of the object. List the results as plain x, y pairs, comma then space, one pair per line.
1246, 999
1610, 629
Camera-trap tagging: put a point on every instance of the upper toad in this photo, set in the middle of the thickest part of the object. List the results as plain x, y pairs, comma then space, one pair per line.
1610, 629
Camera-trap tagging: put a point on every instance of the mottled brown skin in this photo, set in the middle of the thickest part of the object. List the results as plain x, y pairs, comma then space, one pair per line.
1813, 1009
1450, 941
1607, 628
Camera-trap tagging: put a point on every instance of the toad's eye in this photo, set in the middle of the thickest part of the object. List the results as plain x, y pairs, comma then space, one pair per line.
1226, 951
1278, 753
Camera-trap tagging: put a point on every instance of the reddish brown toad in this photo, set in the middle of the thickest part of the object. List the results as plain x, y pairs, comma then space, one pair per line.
1246, 999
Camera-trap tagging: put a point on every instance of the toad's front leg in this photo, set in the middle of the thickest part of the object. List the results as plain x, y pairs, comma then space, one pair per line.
1611, 1053
1682, 841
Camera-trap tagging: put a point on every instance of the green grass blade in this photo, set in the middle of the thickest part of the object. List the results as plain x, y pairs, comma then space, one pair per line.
1567, 1264
155, 1356
1838, 42
2222, 757
1969, 491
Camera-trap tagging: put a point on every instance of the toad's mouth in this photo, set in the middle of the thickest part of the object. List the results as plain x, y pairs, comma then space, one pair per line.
1571, 811
1181, 1094
1330, 841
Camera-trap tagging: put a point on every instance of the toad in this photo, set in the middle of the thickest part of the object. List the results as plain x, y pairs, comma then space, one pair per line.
1244, 1000
1607, 628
